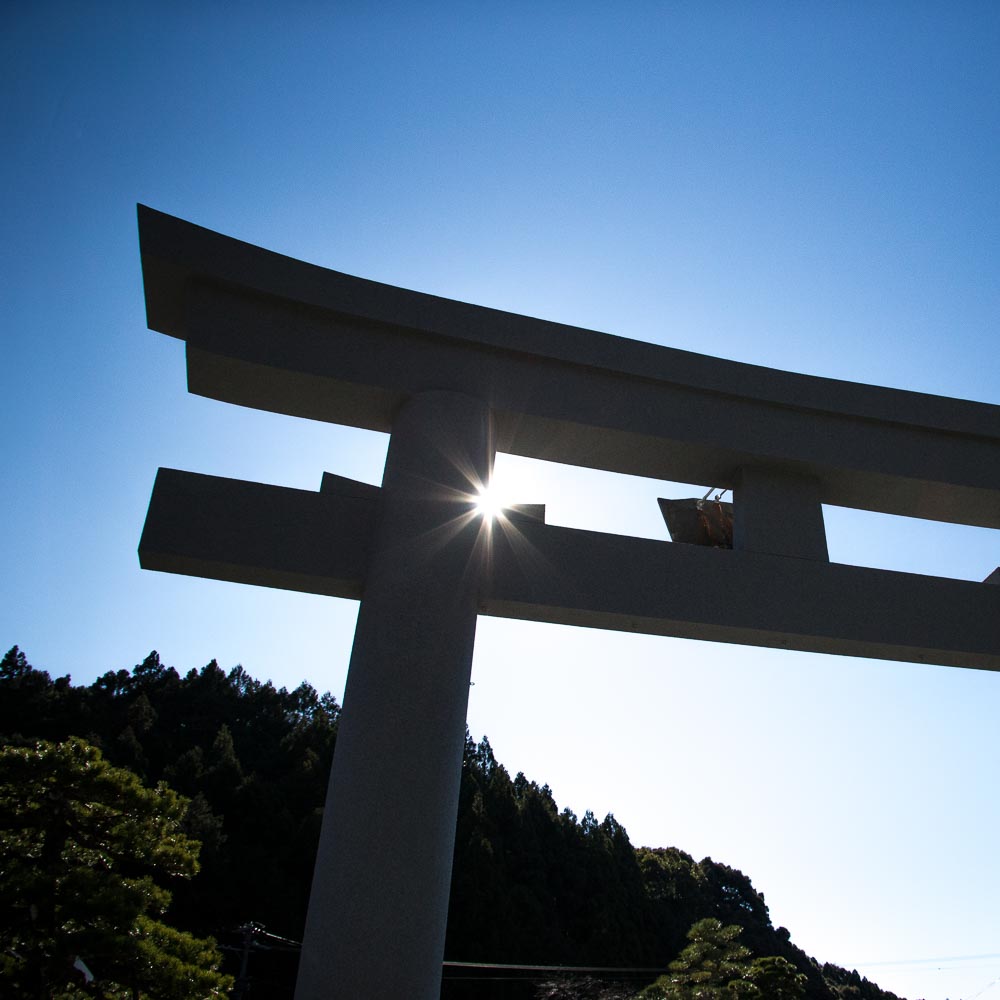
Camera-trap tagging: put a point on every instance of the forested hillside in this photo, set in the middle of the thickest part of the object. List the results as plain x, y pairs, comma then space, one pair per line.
532, 885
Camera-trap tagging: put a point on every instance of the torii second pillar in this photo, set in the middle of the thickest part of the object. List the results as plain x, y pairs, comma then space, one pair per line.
379, 903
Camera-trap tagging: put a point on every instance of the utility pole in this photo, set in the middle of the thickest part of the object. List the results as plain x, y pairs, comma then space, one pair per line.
242, 987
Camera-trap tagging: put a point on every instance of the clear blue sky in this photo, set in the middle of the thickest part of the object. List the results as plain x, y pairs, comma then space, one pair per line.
802, 185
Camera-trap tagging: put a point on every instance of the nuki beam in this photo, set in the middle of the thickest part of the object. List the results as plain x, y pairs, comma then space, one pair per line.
273, 536
453, 384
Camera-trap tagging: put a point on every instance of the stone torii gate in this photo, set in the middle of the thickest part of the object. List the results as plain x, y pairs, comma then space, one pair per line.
453, 384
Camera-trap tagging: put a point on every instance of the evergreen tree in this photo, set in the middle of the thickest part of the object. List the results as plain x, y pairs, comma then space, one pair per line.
86, 848
775, 978
713, 966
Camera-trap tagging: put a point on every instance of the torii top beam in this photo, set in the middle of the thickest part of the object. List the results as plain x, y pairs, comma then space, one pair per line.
274, 333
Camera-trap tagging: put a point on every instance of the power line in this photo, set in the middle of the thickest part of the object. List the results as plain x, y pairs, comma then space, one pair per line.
553, 968
985, 988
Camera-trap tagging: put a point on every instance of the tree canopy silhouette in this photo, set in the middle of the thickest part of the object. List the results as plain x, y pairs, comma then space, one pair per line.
532, 884
87, 851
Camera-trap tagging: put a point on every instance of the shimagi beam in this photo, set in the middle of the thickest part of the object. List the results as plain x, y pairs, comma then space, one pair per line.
274, 333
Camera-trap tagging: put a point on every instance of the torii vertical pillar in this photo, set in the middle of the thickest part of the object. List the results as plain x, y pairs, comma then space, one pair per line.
379, 904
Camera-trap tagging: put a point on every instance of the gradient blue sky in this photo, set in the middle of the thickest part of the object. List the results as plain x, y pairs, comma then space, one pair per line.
810, 186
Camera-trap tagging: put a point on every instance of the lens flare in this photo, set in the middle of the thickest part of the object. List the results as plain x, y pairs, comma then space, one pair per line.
489, 503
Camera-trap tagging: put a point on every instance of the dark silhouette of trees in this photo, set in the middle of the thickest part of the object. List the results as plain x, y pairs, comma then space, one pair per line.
531, 884
775, 978
534, 885
86, 851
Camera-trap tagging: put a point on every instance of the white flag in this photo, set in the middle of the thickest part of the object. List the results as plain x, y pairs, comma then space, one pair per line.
78, 963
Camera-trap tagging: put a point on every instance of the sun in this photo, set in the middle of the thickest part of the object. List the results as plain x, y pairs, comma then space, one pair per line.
509, 484
514, 481
490, 502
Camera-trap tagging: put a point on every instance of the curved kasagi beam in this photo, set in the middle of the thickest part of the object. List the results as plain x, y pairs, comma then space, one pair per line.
274, 333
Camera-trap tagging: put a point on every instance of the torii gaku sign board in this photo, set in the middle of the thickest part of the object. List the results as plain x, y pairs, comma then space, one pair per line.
453, 384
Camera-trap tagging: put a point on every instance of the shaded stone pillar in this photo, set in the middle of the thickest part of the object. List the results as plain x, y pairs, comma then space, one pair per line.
379, 903
779, 513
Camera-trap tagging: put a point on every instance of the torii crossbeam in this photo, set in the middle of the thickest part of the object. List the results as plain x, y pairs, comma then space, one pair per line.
453, 384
